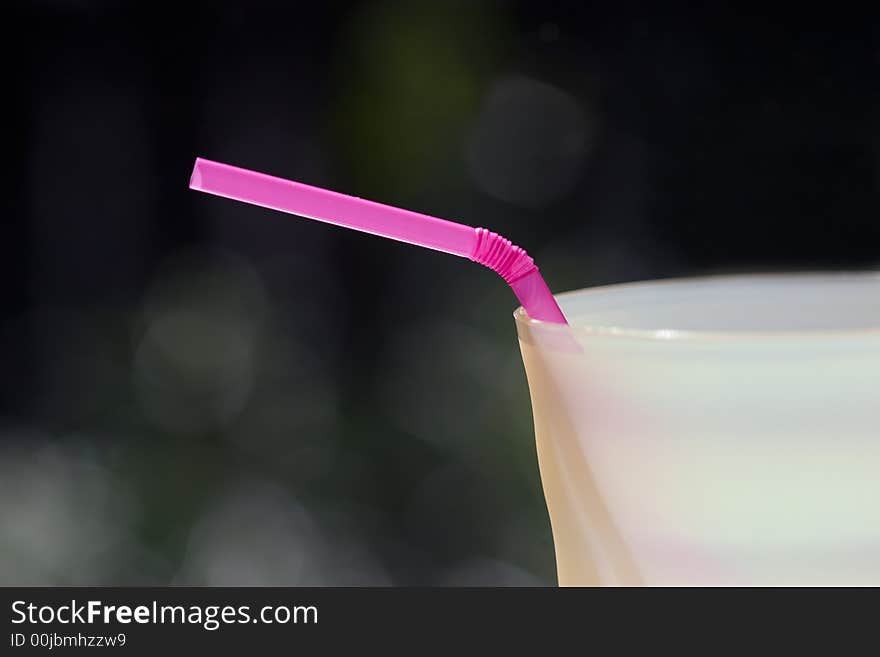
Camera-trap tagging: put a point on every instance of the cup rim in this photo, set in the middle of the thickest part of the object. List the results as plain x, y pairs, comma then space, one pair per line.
710, 335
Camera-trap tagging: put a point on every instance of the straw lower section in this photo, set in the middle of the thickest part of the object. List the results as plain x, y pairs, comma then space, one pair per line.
502, 256
519, 271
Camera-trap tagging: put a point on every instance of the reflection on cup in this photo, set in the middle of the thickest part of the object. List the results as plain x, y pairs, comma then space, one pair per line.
717, 431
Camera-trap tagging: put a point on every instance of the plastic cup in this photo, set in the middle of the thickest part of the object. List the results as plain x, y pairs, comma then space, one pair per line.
717, 431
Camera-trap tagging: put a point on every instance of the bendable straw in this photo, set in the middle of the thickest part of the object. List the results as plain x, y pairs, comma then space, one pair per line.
511, 262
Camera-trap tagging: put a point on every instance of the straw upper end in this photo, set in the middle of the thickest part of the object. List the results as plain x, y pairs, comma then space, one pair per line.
195, 180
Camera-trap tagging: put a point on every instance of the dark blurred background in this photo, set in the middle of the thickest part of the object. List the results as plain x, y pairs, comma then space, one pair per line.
199, 392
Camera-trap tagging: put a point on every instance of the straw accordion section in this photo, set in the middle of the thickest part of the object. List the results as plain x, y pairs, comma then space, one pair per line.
501, 256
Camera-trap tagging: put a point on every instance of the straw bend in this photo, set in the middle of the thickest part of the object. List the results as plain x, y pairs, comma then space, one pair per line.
502, 256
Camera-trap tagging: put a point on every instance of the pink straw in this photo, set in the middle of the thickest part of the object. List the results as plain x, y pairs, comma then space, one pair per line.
510, 262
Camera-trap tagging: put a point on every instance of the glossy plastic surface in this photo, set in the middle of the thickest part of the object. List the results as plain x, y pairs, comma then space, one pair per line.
478, 244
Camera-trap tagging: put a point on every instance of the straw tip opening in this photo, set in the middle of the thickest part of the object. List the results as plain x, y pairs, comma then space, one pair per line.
195, 180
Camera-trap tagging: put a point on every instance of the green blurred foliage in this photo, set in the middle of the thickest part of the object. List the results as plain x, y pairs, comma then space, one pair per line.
408, 79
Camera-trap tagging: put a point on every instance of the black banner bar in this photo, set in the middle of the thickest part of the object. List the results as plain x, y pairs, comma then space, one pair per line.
241, 618
328, 621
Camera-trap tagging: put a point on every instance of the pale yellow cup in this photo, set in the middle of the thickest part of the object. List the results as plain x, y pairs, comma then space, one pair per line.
717, 431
